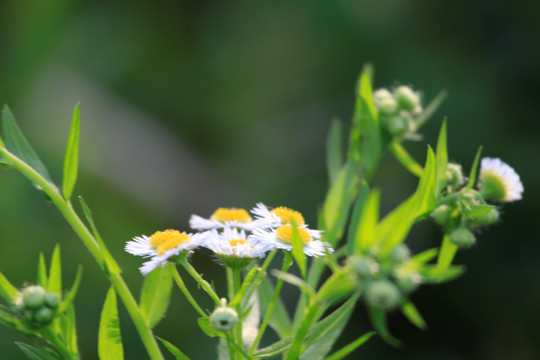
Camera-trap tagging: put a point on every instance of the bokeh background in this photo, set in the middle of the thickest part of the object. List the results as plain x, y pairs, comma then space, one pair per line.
187, 106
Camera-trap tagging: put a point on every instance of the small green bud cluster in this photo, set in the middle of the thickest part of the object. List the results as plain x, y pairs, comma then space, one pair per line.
398, 109
37, 306
386, 282
223, 318
466, 211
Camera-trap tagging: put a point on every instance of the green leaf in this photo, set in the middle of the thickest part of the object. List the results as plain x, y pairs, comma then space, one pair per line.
109, 338
298, 250
208, 329
7, 291
357, 213
34, 353
334, 144
447, 253
335, 211
378, 319
442, 159
70, 295
155, 294
346, 350
405, 159
294, 280
322, 338
42, 271
68, 329
109, 264
54, 283
425, 256
430, 109
17, 144
476, 211
173, 349
71, 157
411, 312
474, 168
280, 321
433, 274
366, 231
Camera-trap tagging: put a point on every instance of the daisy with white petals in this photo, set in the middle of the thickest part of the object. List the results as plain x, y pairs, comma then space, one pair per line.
282, 237
281, 215
221, 218
233, 247
161, 246
498, 181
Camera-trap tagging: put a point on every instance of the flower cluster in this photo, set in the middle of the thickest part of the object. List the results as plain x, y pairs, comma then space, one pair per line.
36, 305
398, 110
234, 235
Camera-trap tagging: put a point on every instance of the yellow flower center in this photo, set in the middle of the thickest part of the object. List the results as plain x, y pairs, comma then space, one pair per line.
166, 240
231, 214
285, 234
236, 242
288, 215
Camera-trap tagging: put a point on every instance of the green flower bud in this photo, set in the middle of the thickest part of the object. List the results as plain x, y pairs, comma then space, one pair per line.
462, 237
52, 300
491, 217
408, 283
442, 215
363, 265
398, 125
44, 315
223, 318
381, 95
400, 253
28, 315
33, 296
407, 99
454, 174
383, 294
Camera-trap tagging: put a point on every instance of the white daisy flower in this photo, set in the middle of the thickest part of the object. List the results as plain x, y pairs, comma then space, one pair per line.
161, 246
223, 217
498, 181
281, 238
233, 247
276, 217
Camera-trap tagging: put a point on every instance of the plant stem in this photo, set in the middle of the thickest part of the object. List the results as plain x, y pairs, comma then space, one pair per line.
287, 260
186, 292
202, 283
91, 244
59, 345
236, 287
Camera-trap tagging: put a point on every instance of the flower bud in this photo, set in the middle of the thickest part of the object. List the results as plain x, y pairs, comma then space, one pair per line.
398, 125
52, 300
383, 294
454, 174
363, 265
462, 237
409, 282
442, 215
223, 318
400, 253
28, 315
44, 315
491, 217
33, 296
381, 95
407, 99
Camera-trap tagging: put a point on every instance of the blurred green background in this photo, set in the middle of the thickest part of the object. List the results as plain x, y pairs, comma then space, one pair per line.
187, 106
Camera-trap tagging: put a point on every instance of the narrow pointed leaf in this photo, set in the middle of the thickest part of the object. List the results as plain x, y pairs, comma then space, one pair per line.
34, 353
208, 329
109, 338
447, 253
474, 168
155, 294
346, 350
280, 321
70, 295
173, 349
17, 144
425, 256
433, 275
430, 109
476, 211
71, 157
357, 214
411, 312
7, 291
442, 159
406, 159
366, 231
334, 160
54, 283
42, 271
378, 319
68, 329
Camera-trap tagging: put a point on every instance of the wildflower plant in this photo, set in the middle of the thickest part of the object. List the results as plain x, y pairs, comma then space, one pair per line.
352, 256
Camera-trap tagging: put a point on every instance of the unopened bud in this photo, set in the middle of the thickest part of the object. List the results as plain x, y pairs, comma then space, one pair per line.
33, 296
44, 315
52, 300
363, 265
398, 125
491, 217
454, 174
400, 253
407, 99
442, 215
383, 294
408, 283
223, 318
462, 237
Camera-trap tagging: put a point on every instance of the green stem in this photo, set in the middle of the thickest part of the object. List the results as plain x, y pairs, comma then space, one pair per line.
287, 261
236, 287
202, 283
406, 159
60, 346
91, 244
253, 285
309, 319
186, 292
